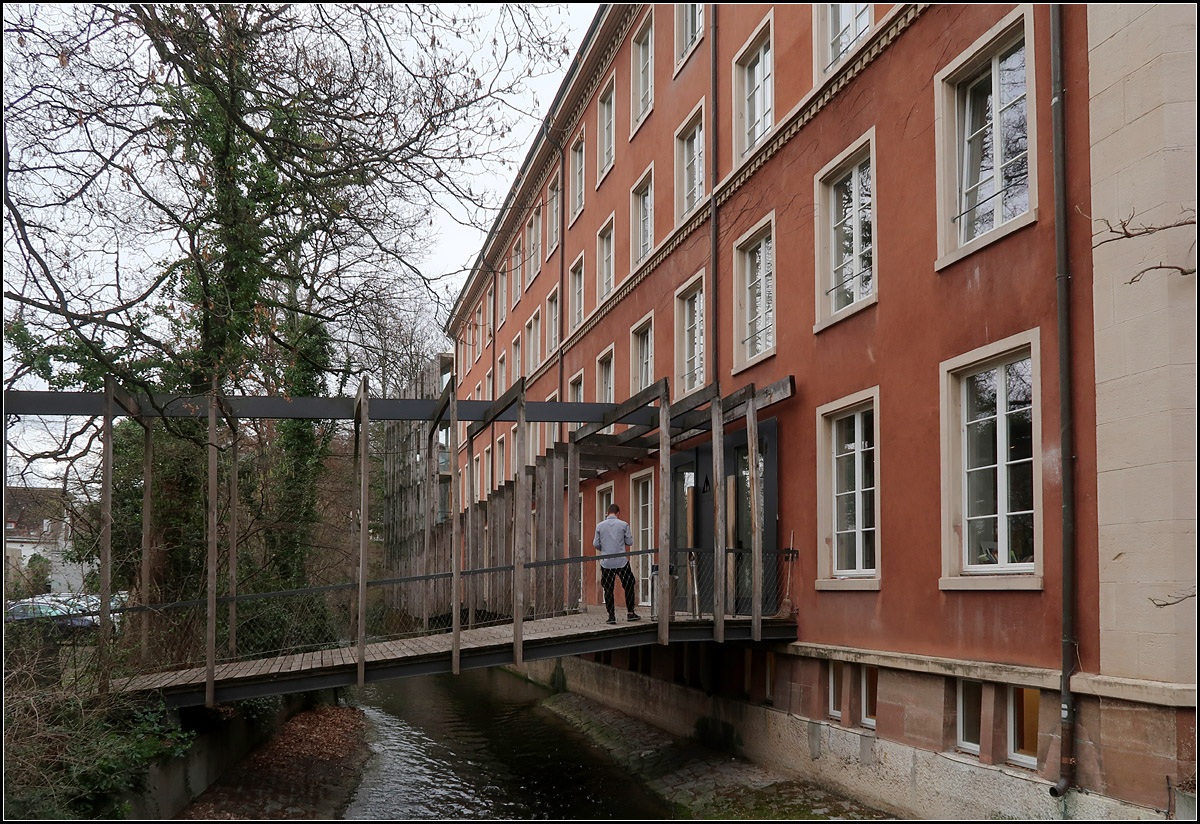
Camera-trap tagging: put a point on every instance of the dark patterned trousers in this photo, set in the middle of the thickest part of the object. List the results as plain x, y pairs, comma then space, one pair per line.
628, 583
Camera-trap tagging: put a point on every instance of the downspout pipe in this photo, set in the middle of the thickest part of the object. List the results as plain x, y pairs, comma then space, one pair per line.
1070, 645
711, 126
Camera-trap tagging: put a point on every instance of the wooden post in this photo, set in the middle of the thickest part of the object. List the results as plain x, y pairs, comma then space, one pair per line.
210, 647
147, 533
756, 551
665, 607
574, 538
233, 542
720, 549
106, 519
540, 544
520, 534
470, 470
363, 418
455, 537
432, 488
554, 521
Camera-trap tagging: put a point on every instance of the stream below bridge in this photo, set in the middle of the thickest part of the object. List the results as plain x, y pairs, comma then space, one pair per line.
478, 745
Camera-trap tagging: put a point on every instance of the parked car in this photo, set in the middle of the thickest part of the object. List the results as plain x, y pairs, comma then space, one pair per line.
58, 615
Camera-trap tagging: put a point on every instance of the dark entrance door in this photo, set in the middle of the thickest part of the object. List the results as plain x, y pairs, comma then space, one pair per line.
692, 498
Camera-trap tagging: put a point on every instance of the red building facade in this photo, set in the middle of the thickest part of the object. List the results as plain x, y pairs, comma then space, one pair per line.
862, 197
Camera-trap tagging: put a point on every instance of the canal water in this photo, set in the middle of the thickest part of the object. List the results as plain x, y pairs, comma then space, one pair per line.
477, 745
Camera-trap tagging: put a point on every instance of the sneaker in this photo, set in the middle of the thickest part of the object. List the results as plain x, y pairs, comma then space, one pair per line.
612, 619
633, 616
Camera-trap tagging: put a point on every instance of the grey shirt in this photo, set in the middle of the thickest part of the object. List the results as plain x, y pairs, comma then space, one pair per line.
612, 536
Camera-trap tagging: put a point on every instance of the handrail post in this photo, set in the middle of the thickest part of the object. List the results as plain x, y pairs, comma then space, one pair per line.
720, 549
520, 534
574, 530
470, 534
756, 546
665, 608
233, 541
362, 419
455, 537
433, 488
210, 646
106, 520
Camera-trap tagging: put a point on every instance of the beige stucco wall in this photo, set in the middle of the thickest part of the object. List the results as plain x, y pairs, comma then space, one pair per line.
1143, 159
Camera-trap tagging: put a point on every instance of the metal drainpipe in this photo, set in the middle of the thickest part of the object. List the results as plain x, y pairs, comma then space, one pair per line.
1066, 769
711, 125
562, 254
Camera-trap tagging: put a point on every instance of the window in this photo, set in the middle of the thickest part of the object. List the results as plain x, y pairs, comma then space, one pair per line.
477, 333
1023, 726
489, 387
992, 475
848, 22
642, 71
643, 531
501, 375
517, 363
552, 322
477, 478
491, 313
994, 165
642, 217
575, 393
607, 150
998, 470
854, 493
518, 268
489, 482
754, 311
836, 670
604, 262
756, 94
502, 295
533, 343
689, 26
577, 293
689, 164
689, 342
533, 240
604, 381
577, 160
870, 693
982, 106
553, 208
848, 515
642, 351
845, 245
501, 460
970, 705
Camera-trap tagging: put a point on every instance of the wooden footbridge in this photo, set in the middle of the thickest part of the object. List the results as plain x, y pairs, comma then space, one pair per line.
502, 578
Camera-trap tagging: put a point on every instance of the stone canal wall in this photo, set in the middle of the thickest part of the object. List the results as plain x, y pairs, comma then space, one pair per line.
903, 780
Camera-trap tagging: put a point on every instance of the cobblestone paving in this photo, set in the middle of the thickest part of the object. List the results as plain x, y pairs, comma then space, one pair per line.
698, 782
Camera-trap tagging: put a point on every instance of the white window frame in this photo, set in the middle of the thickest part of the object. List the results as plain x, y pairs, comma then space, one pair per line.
501, 374
550, 430
643, 533
488, 470
746, 275
683, 45
960, 739
826, 58
490, 313
606, 251
574, 396
512, 439
518, 267
501, 460
480, 332
533, 245
533, 342
644, 325
518, 358
607, 355
641, 88
578, 176
835, 687
829, 577
948, 125
641, 218
1014, 757
847, 161
578, 286
502, 295
690, 132
956, 573
553, 210
866, 720
489, 387
553, 308
759, 48
690, 380
606, 129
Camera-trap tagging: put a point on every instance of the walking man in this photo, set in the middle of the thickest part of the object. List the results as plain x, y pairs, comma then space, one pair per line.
612, 537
